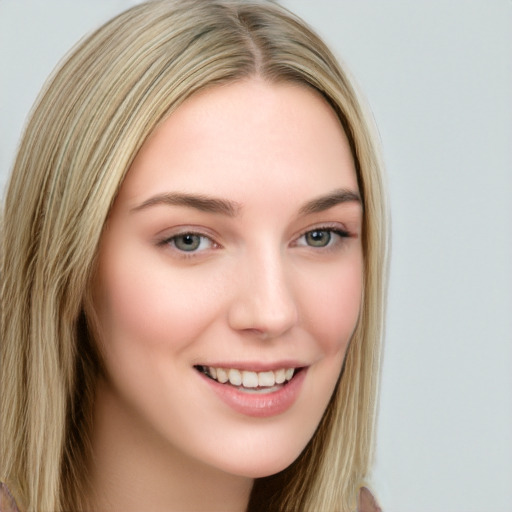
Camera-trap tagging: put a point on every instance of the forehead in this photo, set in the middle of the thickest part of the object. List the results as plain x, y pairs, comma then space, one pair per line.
244, 137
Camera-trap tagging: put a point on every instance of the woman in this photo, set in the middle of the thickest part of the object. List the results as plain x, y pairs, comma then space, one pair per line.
192, 291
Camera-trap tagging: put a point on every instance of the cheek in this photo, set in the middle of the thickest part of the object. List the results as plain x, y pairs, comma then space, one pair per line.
332, 305
151, 303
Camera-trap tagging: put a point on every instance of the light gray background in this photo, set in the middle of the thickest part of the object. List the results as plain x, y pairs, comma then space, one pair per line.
438, 77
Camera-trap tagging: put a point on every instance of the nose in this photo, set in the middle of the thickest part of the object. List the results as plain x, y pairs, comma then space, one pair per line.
264, 303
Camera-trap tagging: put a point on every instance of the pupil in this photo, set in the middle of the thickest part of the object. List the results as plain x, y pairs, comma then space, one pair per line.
318, 238
187, 242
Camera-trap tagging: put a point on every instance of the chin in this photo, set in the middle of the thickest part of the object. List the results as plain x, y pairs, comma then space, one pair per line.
265, 462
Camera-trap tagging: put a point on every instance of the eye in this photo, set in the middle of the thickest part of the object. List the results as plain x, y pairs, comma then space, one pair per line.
318, 238
189, 242
321, 237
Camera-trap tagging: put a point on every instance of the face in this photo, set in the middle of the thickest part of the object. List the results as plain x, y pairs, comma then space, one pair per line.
230, 276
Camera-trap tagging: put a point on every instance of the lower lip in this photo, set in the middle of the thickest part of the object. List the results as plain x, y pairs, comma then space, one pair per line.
261, 405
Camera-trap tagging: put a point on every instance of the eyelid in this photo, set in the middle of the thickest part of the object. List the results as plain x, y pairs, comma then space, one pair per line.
165, 241
327, 226
334, 228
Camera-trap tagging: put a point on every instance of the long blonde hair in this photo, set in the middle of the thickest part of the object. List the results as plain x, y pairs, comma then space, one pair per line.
88, 124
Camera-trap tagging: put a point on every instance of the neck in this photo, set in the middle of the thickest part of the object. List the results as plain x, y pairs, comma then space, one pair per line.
133, 468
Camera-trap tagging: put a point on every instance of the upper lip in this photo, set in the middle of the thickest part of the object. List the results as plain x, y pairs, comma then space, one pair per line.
256, 366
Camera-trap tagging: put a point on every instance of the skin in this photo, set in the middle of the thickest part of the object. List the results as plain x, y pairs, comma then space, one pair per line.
255, 291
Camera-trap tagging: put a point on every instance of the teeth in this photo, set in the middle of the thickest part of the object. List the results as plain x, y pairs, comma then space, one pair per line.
249, 379
235, 377
266, 379
280, 376
222, 375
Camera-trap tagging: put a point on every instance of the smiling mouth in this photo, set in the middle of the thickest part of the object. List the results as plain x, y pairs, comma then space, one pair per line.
249, 381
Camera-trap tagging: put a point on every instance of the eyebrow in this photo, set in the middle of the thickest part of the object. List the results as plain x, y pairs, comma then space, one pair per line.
231, 208
323, 203
199, 202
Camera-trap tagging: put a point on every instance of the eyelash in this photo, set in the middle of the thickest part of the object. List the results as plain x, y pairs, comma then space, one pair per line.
171, 241
332, 242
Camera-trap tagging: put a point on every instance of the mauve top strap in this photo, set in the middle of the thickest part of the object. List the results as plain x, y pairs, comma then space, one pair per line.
7, 503
366, 502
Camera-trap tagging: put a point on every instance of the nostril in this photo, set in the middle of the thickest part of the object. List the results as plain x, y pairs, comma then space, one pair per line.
261, 321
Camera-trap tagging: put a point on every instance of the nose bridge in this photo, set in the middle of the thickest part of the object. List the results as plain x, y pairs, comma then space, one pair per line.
264, 302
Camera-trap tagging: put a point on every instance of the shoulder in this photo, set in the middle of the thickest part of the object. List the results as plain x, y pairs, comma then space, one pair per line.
366, 502
7, 503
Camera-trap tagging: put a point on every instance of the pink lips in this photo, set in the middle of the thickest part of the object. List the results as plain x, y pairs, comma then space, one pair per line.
255, 404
